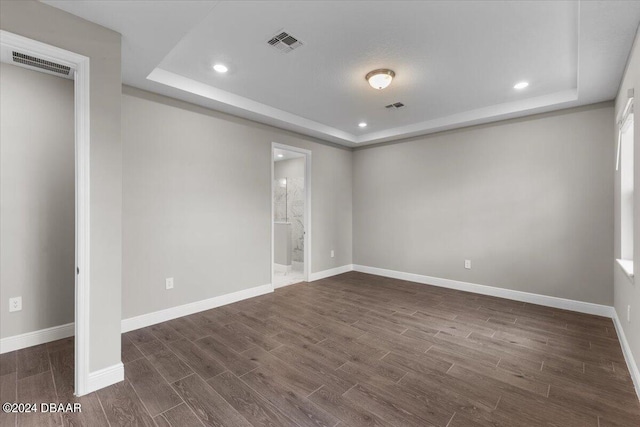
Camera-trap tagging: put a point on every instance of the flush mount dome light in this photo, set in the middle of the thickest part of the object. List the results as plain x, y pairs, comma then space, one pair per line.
280, 156
520, 85
379, 79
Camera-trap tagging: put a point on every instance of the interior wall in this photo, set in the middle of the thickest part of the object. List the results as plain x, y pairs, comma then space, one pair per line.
293, 168
43, 23
37, 199
528, 201
626, 289
197, 204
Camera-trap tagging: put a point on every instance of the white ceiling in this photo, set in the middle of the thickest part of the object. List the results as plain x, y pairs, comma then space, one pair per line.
456, 62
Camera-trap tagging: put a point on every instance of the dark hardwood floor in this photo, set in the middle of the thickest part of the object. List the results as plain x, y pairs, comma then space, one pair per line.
351, 350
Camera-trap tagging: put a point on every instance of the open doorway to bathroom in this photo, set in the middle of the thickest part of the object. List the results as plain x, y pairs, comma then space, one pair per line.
290, 215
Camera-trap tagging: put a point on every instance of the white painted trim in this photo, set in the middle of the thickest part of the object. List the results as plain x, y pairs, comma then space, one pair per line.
307, 206
283, 285
149, 319
627, 267
82, 90
330, 272
105, 377
42, 336
549, 301
204, 90
628, 355
488, 114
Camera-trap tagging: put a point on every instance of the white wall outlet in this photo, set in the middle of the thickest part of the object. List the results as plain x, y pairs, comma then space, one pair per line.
168, 282
15, 304
467, 264
628, 313
333, 254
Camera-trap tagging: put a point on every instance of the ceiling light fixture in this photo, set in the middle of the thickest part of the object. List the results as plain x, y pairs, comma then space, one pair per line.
521, 85
381, 78
220, 68
362, 124
280, 156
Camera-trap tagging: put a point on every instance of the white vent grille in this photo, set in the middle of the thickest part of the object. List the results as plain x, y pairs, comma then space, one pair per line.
284, 42
32, 61
394, 106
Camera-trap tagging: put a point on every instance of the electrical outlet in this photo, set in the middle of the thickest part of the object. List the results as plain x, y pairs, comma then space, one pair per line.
333, 254
15, 304
628, 313
168, 282
467, 264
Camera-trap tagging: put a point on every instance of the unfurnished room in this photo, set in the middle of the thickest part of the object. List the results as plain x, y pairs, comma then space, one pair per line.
319, 213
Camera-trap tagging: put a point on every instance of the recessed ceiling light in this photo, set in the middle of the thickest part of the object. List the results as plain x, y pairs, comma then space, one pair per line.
381, 78
220, 68
362, 124
521, 85
280, 156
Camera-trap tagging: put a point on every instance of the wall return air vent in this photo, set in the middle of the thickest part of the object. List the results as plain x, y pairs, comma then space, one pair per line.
284, 42
43, 64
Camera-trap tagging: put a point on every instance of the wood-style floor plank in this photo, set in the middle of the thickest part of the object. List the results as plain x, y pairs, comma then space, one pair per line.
8, 363
207, 404
257, 410
296, 406
350, 413
37, 388
179, 416
169, 365
8, 393
152, 389
349, 350
197, 358
123, 407
32, 361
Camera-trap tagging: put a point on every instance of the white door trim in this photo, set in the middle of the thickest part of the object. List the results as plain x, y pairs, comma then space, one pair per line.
307, 206
80, 65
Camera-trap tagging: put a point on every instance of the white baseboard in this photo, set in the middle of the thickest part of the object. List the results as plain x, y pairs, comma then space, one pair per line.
105, 377
549, 301
628, 356
148, 319
42, 336
331, 272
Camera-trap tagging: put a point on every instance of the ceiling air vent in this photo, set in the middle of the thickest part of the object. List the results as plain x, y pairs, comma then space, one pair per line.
284, 42
32, 61
394, 106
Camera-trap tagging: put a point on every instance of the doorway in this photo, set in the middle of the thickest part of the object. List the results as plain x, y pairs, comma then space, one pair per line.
37, 56
290, 215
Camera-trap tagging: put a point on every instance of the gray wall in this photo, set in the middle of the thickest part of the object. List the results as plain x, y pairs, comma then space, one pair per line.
528, 201
53, 26
626, 290
37, 220
197, 204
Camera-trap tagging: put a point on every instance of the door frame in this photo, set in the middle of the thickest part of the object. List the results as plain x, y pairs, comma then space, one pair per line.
307, 206
80, 65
